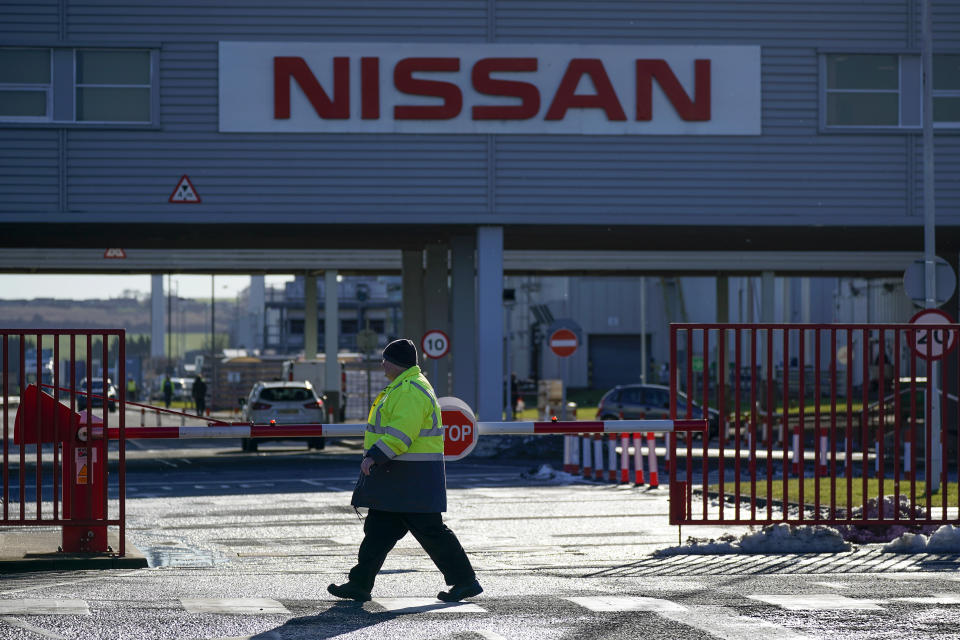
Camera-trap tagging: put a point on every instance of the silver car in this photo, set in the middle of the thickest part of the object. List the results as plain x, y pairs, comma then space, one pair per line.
282, 402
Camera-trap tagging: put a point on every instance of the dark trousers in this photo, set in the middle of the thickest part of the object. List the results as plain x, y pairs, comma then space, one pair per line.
201, 405
383, 529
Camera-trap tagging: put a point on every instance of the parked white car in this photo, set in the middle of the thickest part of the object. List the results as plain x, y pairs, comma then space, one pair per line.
282, 402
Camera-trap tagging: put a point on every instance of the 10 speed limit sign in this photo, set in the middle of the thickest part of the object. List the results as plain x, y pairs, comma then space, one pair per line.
435, 344
927, 340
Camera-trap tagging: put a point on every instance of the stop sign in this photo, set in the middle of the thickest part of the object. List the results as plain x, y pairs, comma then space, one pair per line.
459, 428
563, 342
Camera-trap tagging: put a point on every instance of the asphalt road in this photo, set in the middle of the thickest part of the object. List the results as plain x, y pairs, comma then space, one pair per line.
243, 545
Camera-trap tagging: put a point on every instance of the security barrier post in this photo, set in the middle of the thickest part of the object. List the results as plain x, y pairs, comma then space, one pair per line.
83, 496
637, 459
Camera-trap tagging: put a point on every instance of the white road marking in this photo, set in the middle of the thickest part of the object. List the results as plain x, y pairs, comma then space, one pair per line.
626, 603
26, 626
937, 598
833, 585
816, 602
44, 606
241, 606
728, 625
427, 605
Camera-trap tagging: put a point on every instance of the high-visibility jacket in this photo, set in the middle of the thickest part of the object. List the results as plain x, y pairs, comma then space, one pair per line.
404, 436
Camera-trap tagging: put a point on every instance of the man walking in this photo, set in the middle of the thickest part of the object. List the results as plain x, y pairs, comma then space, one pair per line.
199, 394
403, 481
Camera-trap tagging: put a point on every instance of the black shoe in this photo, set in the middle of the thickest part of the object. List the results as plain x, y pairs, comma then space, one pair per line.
461, 591
349, 591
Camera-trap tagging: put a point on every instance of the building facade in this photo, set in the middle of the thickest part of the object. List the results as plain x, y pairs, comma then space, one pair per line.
779, 137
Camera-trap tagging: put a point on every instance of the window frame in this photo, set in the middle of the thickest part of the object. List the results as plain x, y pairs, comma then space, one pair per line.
62, 90
23, 86
946, 93
77, 86
910, 103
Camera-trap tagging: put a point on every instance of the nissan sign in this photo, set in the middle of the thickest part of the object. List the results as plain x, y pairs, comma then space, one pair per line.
343, 87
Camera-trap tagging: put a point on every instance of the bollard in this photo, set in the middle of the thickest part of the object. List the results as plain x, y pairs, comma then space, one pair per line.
570, 449
823, 455
611, 457
624, 458
652, 459
668, 440
597, 457
158, 417
143, 417
637, 460
796, 451
587, 457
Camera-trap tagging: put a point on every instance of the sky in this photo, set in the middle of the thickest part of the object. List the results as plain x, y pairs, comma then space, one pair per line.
85, 287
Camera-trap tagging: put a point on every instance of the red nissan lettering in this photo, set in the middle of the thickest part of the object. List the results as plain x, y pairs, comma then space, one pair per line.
528, 93
450, 93
696, 110
566, 98
285, 68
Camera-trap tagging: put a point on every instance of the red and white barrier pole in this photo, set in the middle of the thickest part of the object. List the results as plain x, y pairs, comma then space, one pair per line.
637, 459
624, 458
652, 459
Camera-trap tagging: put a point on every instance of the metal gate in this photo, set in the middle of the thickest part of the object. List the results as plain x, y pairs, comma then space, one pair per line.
818, 424
54, 383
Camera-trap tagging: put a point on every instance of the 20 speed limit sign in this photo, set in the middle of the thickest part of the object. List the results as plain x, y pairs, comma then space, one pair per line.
435, 344
927, 340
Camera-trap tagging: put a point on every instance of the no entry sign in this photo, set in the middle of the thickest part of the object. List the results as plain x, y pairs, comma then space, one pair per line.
934, 343
563, 342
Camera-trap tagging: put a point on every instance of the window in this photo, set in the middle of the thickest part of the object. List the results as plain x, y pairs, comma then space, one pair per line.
863, 90
946, 89
885, 91
65, 85
113, 85
25, 84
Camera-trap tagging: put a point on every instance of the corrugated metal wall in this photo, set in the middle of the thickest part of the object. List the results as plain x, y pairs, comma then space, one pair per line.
790, 175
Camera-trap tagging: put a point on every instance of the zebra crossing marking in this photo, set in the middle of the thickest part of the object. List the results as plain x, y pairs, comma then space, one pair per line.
236, 606
816, 602
43, 607
727, 624
427, 605
937, 598
625, 603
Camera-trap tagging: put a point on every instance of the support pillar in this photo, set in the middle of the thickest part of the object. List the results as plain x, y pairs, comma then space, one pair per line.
256, 304
436, 314
331, 340
414, 322
156, 316
463, 299
310, 315
490, 375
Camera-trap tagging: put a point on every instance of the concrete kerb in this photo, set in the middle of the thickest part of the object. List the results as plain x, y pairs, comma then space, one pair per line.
27, 549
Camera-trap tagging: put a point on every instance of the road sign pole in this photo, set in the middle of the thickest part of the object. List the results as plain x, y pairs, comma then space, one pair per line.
563, 393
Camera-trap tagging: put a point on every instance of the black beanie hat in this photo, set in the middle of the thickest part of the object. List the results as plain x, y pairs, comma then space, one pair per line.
401, 352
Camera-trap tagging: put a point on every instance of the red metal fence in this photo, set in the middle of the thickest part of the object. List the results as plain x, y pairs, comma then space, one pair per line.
50, 477
831, 424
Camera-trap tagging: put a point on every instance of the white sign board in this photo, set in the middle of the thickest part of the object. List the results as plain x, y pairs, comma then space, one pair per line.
489, 88
932, 344
435, 344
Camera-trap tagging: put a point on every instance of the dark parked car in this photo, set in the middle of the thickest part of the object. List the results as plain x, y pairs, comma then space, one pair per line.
96, 394
652, 401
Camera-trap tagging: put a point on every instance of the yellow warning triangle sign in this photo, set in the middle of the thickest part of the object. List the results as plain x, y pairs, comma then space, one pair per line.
185, 192
82, 475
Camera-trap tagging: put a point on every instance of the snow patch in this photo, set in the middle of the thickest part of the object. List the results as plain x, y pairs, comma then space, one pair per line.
946, 539
548, 473
775, 538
